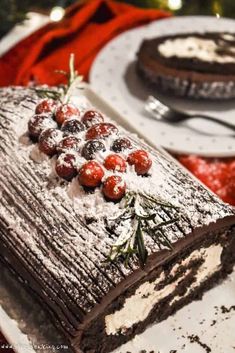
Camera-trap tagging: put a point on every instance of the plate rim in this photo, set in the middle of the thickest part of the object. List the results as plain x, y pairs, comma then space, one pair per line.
177, 151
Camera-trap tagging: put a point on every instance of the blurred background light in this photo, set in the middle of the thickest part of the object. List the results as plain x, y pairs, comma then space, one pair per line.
57, 13
174, 4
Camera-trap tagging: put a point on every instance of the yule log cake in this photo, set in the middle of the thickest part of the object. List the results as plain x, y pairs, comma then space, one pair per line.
109, 234
195, 65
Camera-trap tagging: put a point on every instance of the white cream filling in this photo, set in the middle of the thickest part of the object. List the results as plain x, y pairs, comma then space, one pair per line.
193, 47
137, 307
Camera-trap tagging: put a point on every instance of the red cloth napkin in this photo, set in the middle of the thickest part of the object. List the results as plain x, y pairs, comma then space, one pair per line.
83, 31
217, 174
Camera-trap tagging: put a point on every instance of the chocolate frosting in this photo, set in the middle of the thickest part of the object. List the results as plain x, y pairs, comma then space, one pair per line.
50, 244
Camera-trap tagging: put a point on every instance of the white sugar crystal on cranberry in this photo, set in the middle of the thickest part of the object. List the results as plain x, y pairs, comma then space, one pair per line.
115, 162
91, 148
49, 140
68, 144
101, 131
66, 166
47, 105
72, 126
121, 144
39, 123
65, 112
92, 117
114, 188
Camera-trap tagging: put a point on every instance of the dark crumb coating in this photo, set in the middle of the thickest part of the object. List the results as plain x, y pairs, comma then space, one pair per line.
46, 240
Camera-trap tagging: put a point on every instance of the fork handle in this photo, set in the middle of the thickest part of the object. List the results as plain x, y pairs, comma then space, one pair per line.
215, 120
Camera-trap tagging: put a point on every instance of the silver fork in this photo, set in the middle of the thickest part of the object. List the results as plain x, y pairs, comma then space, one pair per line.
160, 111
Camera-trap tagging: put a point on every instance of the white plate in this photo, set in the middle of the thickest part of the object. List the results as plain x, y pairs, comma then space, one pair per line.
27, 326
113, 76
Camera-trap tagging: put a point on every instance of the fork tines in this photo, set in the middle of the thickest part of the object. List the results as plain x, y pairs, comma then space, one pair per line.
153, 105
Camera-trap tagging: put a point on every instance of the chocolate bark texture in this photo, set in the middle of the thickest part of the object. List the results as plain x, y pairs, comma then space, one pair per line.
211, 75
60, 252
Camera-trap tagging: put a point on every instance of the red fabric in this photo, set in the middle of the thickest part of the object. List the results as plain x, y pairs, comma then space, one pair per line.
83, 31
217, 174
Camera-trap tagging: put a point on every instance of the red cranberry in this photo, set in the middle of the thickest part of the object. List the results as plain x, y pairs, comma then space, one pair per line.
65, 166
141, 161
91, 148
121, 144
68, 143
48, 141
100, 131
114, 188
115, 162
47, 105
65, 112
91, 174
92, 117
72, 127
38, 123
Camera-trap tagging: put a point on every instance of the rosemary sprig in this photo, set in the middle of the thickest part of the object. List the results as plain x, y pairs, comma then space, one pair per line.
137, 219
48, 93
64, 93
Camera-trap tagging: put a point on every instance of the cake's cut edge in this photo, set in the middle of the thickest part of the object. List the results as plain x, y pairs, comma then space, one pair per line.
161, 290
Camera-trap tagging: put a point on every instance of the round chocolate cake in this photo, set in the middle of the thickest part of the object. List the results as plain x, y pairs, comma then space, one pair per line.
190, 65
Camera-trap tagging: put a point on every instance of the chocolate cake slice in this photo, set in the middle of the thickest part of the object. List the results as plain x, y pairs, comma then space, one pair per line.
72, 247
195, 65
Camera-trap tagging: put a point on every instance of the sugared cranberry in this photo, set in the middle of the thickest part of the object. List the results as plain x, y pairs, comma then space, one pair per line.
91, 148
121, 144
91, 174
65, 166
69, 143
72, 127
65, 112
92, 117
48, 141
141, 161
100, 131
114, 188
115, 162
38, 123
47, 105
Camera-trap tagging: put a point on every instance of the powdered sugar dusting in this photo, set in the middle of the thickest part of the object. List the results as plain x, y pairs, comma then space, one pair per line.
60, 231
37, 156
93, 204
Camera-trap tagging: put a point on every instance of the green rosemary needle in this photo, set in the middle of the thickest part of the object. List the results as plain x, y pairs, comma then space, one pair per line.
64, 92
138, 219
